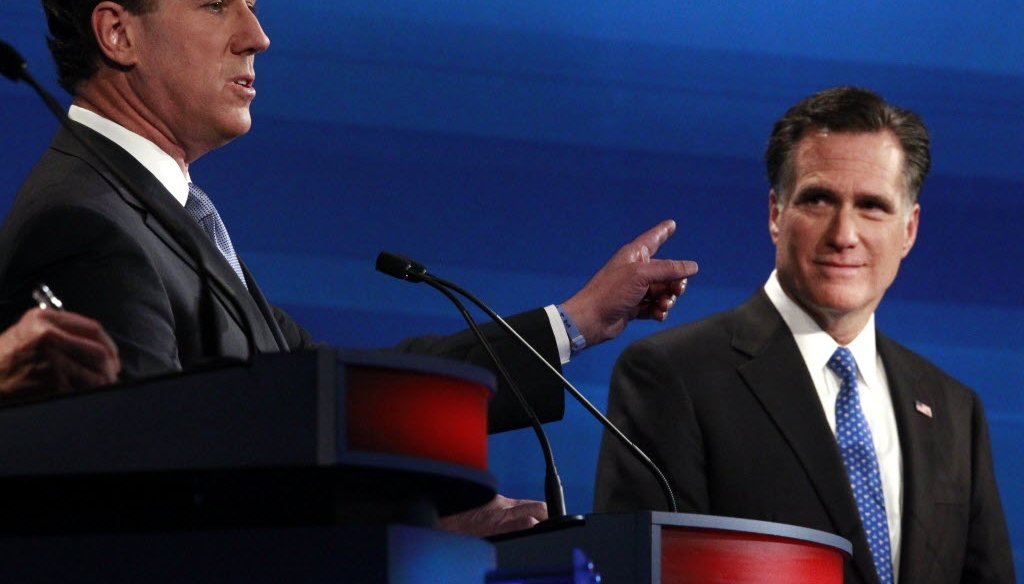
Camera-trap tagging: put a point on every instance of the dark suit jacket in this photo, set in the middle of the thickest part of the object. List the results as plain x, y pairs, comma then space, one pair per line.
121, 250
725, 406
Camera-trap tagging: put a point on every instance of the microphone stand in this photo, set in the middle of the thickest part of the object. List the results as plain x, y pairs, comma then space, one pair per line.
406, 269
640, 454
554, 495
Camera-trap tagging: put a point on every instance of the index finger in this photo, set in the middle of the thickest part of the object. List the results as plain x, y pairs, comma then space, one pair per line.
655, 236
667, 271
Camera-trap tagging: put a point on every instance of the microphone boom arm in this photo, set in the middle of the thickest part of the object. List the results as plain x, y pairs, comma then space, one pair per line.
663, 482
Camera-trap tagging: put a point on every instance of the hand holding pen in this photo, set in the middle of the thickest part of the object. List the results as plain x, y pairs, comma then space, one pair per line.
52, 350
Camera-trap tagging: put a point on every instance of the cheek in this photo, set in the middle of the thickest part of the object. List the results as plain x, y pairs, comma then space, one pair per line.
789, 255
889, 253
795, 240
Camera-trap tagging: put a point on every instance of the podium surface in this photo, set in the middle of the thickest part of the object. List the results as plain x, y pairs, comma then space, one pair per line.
676, 548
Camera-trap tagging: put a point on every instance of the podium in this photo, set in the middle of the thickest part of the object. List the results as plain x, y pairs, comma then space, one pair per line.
318, 466
675, 548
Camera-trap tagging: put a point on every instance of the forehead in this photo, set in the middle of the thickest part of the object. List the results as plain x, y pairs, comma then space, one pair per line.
857, 162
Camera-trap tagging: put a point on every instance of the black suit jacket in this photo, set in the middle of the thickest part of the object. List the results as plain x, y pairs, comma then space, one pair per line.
726, 407
116, 246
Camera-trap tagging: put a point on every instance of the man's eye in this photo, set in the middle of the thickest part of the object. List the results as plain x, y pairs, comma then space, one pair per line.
216, 6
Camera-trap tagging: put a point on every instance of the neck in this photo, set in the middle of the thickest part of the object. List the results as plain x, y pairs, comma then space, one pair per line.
843, 328
125, 109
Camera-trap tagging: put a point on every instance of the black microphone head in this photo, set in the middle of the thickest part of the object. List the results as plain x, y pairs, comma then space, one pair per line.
12, 64
400, 267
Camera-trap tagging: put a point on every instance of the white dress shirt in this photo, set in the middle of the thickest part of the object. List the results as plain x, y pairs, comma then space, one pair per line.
816, 348
149, 155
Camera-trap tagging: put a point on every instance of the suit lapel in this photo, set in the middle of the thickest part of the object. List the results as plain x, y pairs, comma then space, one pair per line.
159, 208
264, 308
920, 453
778, 376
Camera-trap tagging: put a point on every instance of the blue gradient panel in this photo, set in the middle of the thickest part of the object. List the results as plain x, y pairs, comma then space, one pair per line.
426, 555
514, 145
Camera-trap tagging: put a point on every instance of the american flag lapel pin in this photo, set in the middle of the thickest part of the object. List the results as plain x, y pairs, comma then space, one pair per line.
923, 408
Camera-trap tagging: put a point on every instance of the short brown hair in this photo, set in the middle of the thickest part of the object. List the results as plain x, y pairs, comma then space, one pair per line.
847, 109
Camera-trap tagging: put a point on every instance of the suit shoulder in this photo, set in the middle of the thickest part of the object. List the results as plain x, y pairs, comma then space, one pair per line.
56, 219
708, 335
895, 354
61, 179
64, 196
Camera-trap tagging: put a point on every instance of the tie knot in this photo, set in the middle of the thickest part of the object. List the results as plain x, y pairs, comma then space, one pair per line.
198, 203
843, 364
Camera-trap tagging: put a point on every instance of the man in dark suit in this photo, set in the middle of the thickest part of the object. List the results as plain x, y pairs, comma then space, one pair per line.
792, 408
111, 220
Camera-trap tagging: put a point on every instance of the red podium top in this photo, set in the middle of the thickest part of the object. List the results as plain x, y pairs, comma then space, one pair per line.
676, 548
703, 549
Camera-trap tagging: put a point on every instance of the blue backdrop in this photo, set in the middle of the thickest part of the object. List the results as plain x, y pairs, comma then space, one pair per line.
513, 145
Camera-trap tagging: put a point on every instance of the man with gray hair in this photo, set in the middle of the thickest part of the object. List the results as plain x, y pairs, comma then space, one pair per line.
792, 407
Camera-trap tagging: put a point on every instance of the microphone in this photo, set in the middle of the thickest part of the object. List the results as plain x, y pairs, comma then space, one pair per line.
400, 267
14, 67
407, 269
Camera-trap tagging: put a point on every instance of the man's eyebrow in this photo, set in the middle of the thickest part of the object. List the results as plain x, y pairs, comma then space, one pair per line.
814, 190
880, 200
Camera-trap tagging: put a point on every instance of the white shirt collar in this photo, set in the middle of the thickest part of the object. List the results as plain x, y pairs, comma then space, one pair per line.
816, 345
149, 155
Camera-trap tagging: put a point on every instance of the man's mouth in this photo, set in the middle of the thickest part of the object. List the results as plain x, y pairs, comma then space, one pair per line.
843, 266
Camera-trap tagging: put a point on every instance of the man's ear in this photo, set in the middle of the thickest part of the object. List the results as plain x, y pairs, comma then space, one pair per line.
913, 220
111, 25
773, 216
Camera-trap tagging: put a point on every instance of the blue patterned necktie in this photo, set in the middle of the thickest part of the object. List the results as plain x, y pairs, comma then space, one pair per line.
858, 452
201, 208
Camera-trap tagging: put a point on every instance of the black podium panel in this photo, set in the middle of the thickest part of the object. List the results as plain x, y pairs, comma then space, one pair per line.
257, 444
378, 554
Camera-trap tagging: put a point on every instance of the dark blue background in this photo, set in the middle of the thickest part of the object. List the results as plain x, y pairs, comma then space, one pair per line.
514, 145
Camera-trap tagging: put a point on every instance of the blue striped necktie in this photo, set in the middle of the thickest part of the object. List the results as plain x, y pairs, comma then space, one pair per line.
201, 208
858, 453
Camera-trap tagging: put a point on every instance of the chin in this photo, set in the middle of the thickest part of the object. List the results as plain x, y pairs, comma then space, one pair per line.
241, 126
236, 122
840, 301
230, 132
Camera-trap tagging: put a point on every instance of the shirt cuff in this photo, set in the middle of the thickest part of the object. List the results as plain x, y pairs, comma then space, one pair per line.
561, 337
